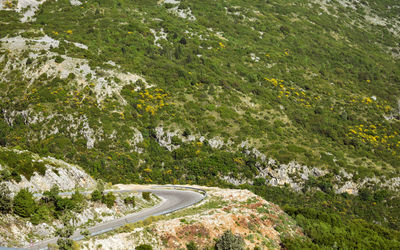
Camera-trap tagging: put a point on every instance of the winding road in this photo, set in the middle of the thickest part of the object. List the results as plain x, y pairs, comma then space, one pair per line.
172, 200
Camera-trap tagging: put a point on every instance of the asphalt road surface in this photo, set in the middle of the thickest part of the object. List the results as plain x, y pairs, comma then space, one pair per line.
172, 200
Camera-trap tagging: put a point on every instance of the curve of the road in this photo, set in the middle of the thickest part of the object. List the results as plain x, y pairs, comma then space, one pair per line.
171, 200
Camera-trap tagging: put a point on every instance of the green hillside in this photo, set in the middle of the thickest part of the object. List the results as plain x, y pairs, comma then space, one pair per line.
213, 93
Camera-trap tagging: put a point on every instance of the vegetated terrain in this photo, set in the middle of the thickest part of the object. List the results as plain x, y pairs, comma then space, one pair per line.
56, 199
217, 93
256, 222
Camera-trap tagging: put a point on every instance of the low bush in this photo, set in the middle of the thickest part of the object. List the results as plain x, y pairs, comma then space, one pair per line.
229, 241
109, 199
130, 200
146, 196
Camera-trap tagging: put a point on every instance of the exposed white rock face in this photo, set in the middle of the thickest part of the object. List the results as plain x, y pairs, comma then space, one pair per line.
352, 187
73, 124
137, 138
89, 134
284, 174
216, 142
253, 151
165, 139
120, 241
349, 187
18, 43
26, 7
75, 2
392, 24
159, 35
172, 1
104, 83
183, 13
13, 228
65, 176
190, 138
79, 45
393, 184
235, 181
254, 57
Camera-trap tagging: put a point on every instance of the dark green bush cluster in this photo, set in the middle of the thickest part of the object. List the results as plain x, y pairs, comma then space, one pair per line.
146, 196
130, 200
338, 220
229, 241
327, 230
108, 198
51, 205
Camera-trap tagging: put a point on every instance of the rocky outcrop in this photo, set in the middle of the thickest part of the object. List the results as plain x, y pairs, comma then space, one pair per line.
65, 176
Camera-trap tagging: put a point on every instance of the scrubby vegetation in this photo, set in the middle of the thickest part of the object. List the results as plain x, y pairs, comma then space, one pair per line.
252, 72
310, 81
229, 241
367, 221
45, 209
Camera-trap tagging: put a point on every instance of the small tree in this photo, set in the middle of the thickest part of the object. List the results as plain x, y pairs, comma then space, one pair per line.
130, 200
52, 194
42, 213
64, 204
5, 199
229, 241
23, 203
146, 196
64, 242
109, 199
78, 199
96, 195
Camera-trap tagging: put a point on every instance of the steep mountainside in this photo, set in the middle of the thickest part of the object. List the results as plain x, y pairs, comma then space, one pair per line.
132, 90
296, 100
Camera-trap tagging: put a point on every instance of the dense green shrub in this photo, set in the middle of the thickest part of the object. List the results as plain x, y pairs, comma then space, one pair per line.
41, 214
58, 59
77, 198
130, 200
51, 195
96, 195
146, 196
23, 204
229, 241
329, 220
64, 242
64, 204
109, 199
